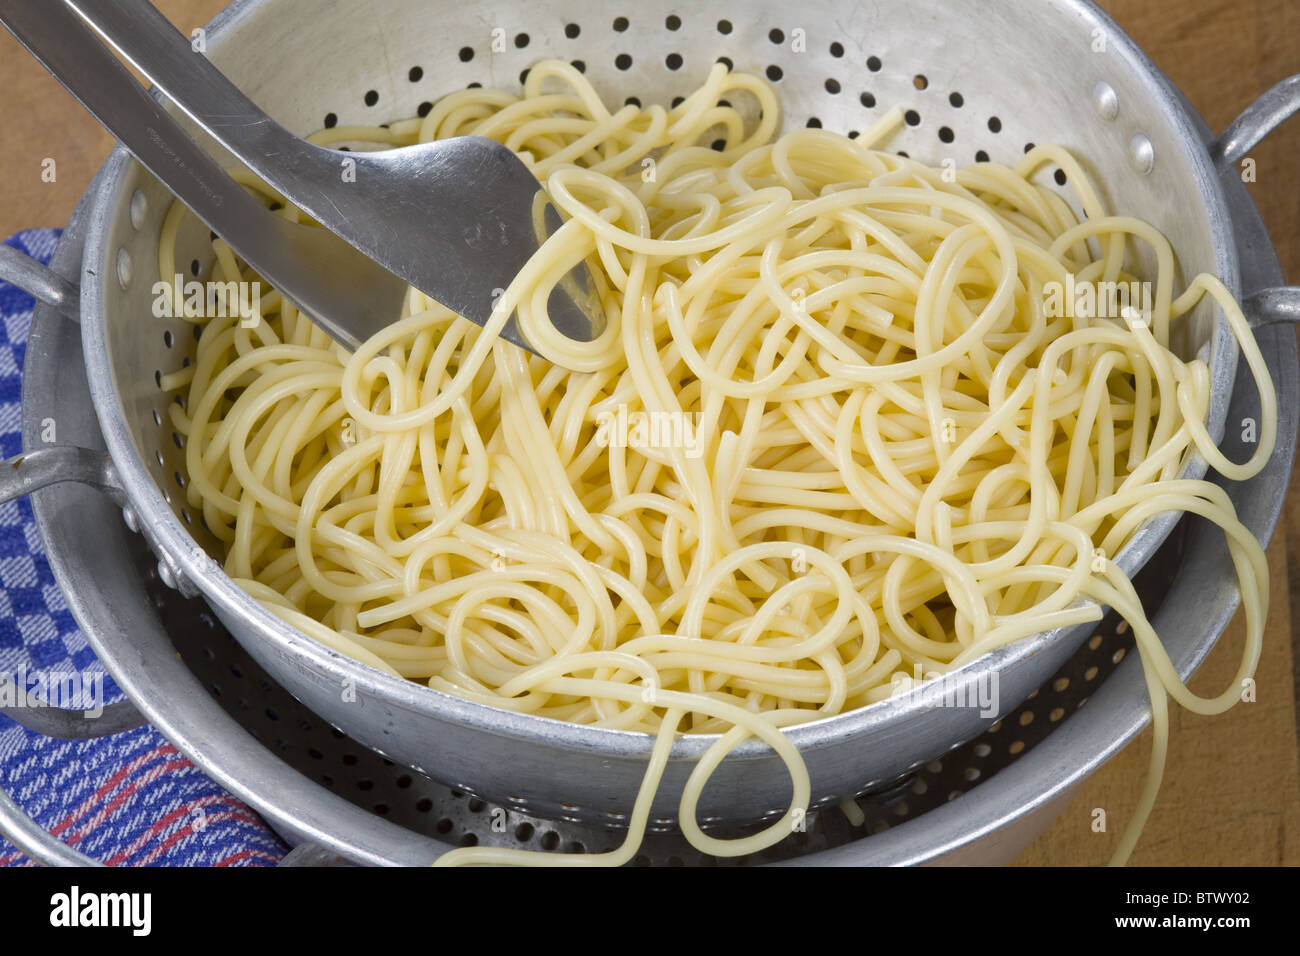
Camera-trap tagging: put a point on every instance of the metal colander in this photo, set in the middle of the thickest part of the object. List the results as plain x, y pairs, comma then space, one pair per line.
977, 80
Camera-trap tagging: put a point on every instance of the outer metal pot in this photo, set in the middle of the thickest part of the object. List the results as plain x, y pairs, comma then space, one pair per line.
559, 769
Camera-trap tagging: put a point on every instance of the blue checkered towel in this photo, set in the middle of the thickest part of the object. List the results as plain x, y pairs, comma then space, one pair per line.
131, 799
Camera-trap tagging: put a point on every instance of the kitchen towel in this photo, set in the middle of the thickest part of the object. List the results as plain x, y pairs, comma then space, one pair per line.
128, 800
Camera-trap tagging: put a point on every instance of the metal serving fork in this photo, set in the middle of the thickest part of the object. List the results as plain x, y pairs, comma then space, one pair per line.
454, 218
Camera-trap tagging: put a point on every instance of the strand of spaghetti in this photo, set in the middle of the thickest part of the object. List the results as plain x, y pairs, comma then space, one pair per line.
1205, 284
487, 856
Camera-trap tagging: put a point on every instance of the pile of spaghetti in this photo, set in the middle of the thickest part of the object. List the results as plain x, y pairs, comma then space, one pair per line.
833, 433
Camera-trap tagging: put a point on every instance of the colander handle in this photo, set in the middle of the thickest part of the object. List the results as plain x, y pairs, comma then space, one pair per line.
39, 281
34, 470
1256, 121
1273, 307
1271, 110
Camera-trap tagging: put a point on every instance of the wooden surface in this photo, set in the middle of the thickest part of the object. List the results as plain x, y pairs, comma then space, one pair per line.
1231, 793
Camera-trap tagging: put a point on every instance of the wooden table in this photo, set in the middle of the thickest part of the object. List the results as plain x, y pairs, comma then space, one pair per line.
1231, 793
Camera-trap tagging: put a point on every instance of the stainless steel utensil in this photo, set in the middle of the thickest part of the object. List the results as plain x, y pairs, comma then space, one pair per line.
455, 218
979, 77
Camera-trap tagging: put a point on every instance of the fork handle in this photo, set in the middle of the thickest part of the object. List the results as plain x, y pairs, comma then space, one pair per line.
432, 188
58, 38
151, 44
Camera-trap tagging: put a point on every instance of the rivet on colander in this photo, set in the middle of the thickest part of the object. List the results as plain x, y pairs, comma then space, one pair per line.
132, 522
1106, 100
1142, 153
139, 206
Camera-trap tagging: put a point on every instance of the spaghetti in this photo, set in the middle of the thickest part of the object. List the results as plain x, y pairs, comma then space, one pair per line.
834, 433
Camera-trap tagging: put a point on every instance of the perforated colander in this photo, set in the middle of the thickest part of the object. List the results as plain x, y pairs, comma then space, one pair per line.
977, 80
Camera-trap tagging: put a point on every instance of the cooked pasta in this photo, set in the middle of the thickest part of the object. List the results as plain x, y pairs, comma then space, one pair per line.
835, 432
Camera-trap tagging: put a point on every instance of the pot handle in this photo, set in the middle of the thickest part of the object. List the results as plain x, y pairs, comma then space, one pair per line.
24, 833
21, 475
16, 826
